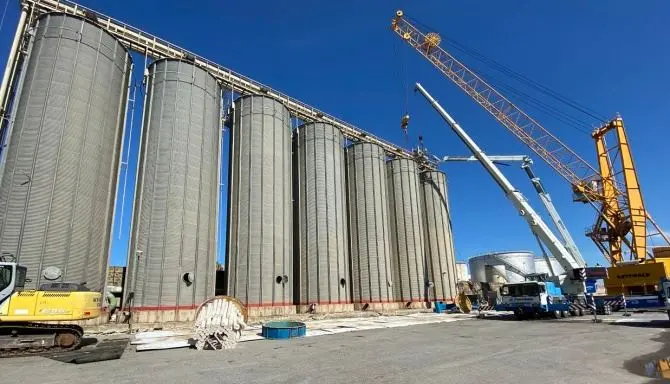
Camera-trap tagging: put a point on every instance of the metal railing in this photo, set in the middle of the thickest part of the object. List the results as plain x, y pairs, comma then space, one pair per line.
152, 46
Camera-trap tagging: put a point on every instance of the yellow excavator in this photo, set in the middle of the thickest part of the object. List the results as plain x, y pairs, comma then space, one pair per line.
31, 320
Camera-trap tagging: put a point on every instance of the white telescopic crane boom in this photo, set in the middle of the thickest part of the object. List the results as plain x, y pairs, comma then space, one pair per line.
538, 226
568, 241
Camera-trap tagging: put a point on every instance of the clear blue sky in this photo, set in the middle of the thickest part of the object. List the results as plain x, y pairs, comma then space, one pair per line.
342, 58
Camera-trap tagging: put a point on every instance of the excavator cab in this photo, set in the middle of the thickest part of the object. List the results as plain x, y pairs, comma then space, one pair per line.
12, 278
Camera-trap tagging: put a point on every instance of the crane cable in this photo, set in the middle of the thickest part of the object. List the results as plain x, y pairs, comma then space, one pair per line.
524, 79
522, 96
4, 12
402, 77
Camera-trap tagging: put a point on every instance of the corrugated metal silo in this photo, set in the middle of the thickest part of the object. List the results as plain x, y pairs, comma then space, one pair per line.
322, 262
176, 207
440, 258
59, 180
406, 231
260, 215
372, 279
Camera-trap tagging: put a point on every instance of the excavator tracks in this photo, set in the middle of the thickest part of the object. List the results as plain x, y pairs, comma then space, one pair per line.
34, 339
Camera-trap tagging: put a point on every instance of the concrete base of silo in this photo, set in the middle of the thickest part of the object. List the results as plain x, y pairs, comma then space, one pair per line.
378, 306
270, 310
413, 305
163, 316
324, 308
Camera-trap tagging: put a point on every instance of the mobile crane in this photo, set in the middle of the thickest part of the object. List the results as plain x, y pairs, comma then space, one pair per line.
526, 163
622, 225
555, 295
25, 314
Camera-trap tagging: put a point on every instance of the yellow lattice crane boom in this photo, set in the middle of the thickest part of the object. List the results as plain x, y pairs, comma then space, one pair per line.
613, 189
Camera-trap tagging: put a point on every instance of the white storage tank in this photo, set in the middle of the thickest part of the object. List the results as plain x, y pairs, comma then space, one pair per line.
542, 267
511, 265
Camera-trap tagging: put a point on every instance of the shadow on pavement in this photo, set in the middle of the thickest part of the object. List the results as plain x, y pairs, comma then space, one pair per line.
648, 365
644, 324
92, 351
511, 317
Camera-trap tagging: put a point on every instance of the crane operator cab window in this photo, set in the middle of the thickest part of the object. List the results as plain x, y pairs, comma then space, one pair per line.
518, 290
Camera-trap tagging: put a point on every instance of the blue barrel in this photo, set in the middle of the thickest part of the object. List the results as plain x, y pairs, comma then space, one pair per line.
284, 330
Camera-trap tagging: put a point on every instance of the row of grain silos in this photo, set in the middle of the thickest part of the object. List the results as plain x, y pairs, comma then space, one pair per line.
309, 222
60, 170
323, 227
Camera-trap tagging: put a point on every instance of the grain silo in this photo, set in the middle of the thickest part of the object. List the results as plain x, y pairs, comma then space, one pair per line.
260, 214
372, 279
322, 272
60, 176
440, 258
173, 243
406, 231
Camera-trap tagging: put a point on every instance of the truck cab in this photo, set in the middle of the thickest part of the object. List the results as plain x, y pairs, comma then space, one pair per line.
533, 298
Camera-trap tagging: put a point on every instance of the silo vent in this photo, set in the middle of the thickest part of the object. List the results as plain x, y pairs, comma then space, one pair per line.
52, 273
188, 278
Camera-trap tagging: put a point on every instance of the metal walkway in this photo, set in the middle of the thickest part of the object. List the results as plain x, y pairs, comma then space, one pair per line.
154, 47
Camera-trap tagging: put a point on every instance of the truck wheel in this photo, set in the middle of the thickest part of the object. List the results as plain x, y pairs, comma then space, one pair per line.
518, 314
573, 312
668, 314
580, 312
557, 314
564, 313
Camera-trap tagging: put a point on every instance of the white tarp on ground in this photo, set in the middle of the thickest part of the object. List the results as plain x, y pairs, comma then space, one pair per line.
167, 339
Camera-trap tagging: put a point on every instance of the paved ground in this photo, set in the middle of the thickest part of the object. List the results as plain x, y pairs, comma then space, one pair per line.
477, 351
